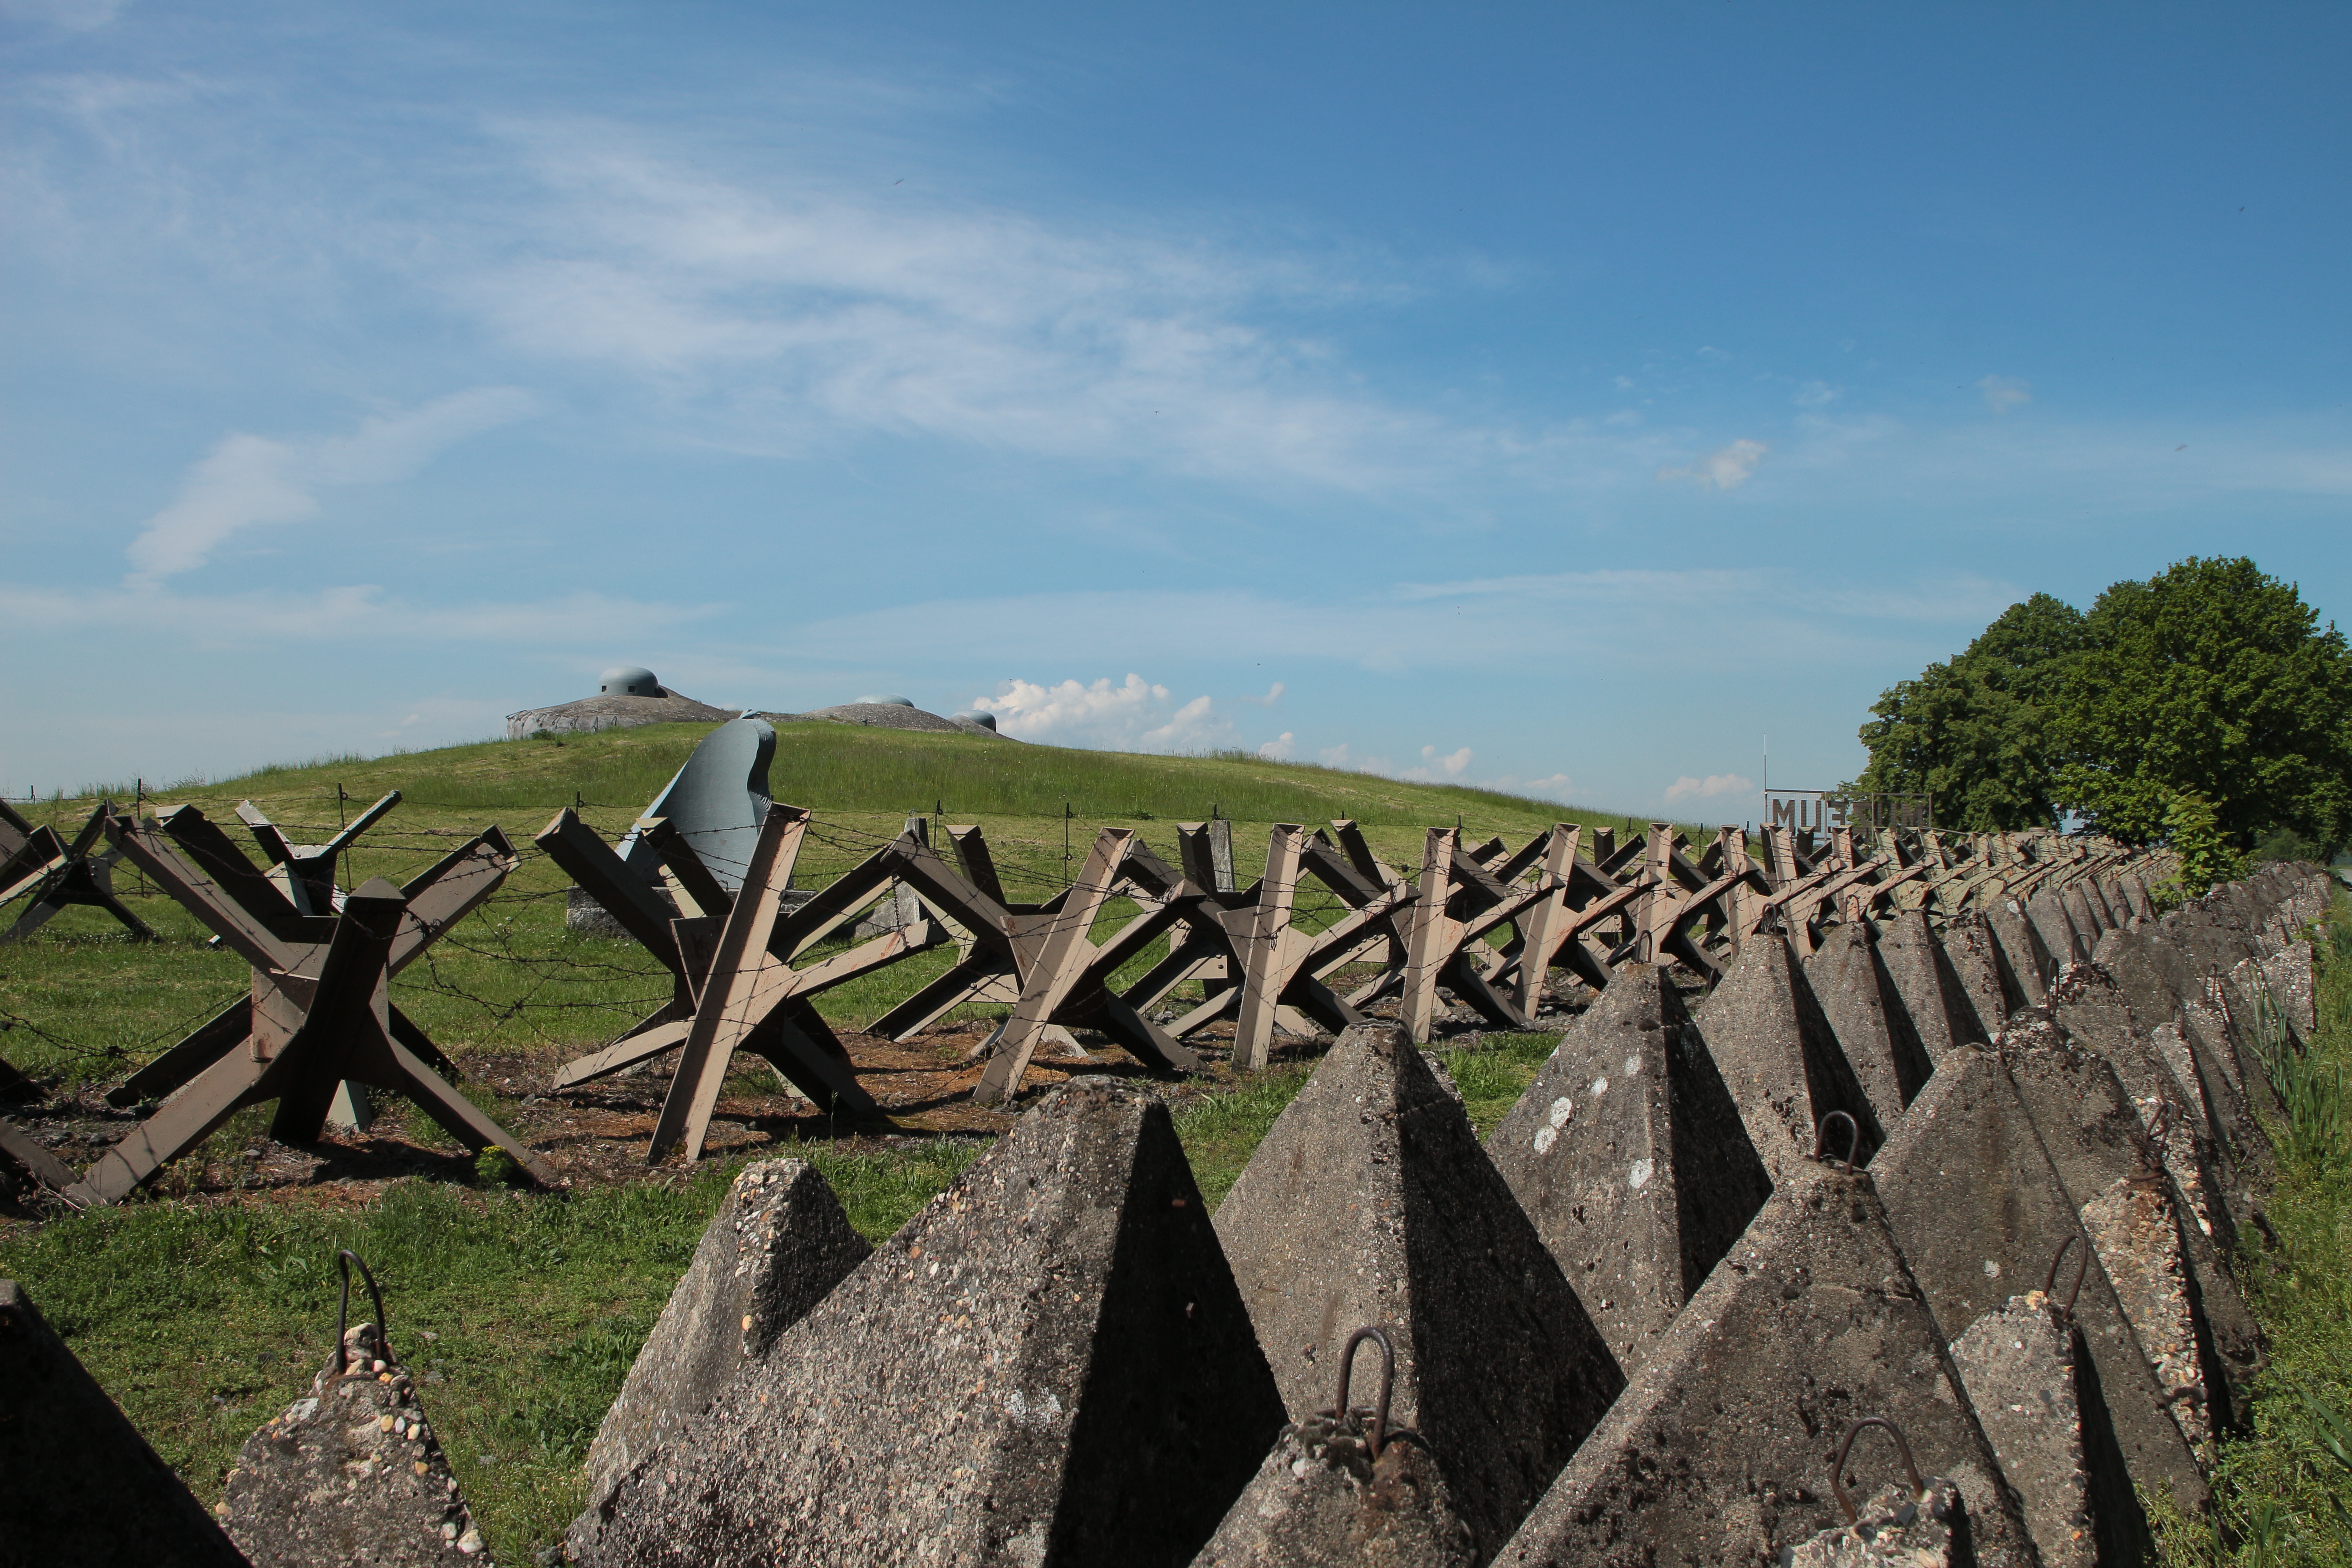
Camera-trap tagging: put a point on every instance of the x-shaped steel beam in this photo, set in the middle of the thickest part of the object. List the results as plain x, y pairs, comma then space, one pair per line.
35, 861
736, 988
318, 1010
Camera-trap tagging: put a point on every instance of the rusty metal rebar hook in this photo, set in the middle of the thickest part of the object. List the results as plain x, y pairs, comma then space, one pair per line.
2082, 1267
1379, 1428
343, 1260
1837, 1476
1854, 1143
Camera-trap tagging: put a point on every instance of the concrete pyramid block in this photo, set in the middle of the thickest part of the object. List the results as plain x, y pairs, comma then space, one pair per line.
2161, 980
79, 1487
1867, 1014
1720, 1450
352, 1472
2161, 996
2086, 1004
1976, 963
2192, 1324
2288, 981
1322, 1499
1778, 1055
1370, 1202
2209, 947
1048, 1365
778, 1244
1940, 1012
1895, 1527
2046, 912
2026, 966
1979, 1212
1628, 1153
2018, 1365
2085, 912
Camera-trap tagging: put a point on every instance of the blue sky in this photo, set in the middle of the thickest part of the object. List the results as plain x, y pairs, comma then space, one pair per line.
1563, 398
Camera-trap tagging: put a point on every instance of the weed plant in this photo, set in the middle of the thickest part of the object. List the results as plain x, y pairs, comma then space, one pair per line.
2279, 1493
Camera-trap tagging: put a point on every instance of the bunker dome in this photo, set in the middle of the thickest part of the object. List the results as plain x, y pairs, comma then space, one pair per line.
626, 694
629, 681
890, 710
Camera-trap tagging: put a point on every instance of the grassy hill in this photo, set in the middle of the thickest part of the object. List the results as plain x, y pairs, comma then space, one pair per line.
844, 767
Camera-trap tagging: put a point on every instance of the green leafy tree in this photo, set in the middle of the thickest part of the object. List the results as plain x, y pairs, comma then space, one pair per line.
2213, 680
2193, 829
1976, 731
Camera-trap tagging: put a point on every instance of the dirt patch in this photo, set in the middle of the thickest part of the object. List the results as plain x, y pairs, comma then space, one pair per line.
594, 1135
597, 1134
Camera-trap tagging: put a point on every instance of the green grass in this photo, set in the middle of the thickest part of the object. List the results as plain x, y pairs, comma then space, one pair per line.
521, 1311
2279, 1494
828, 766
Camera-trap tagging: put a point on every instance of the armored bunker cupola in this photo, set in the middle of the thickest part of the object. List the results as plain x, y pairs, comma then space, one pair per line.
887, 699
628, 680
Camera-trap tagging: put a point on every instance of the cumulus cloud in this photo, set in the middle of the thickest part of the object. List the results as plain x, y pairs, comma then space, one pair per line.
1708, 788
1725, 469
1135, 715
2003, 393
1434, 766
250, 481
1274, 695
1281, 749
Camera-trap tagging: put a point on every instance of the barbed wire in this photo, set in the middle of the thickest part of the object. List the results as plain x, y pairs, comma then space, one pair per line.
549, 981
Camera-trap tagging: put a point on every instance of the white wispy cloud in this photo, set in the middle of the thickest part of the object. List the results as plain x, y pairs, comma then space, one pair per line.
1708, 788
249, 481
344, 616
1281, 749
2002, 393
810, 302
1346, 757
1422, 625
67, 15
1725, 469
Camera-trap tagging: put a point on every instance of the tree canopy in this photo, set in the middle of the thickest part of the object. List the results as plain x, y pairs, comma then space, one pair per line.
1975, 730
2212, 680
